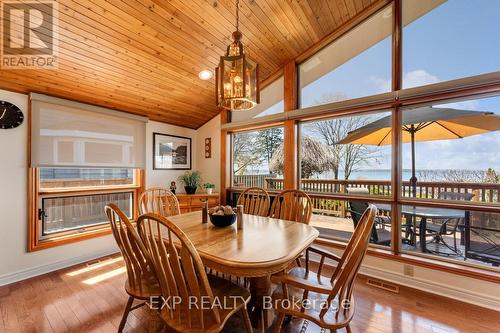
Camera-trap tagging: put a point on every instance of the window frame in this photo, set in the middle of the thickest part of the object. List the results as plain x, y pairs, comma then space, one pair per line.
231, 151
36, 195
484, 85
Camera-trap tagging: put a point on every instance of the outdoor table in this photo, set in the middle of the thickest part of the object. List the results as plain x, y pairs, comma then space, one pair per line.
425, 213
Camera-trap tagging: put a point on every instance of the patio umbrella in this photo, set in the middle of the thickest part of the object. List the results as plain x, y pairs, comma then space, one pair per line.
425, 124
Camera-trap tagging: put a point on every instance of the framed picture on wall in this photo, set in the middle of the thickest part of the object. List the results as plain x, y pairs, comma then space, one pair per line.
171, 152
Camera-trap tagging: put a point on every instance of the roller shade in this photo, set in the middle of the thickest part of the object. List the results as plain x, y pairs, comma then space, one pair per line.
70, 134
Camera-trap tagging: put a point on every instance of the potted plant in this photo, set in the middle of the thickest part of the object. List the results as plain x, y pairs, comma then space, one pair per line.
191, 180
209, 187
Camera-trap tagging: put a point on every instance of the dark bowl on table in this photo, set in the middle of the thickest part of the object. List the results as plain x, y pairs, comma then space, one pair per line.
222, 220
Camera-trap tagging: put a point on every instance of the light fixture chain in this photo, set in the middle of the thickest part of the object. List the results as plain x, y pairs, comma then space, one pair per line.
237, 15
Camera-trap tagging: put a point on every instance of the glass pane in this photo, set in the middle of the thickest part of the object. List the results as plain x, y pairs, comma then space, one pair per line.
258, 158
356, 65
336, 219
271, 102
456, 151
450, 233
51, 178
80, 212
445, 40
334, 161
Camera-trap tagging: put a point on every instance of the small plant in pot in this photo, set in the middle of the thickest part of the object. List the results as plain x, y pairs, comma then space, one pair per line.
209, 187
191, 180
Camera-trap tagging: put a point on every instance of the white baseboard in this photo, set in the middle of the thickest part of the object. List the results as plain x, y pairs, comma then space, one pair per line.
42, 269
466, 296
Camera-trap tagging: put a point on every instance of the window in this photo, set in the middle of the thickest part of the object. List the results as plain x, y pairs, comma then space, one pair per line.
53, 178
446, 40
82, 159
455, 158
258, 158
356, 65
333, 161
71, 201
271, 102
83, 212
454, 234
455, 151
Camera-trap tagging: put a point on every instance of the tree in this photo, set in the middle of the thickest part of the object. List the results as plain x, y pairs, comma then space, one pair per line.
346, 156
315, 158
268, 141
244, 152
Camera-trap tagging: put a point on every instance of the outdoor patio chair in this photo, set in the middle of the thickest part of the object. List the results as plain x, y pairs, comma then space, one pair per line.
379, 235
482, 241
439, 229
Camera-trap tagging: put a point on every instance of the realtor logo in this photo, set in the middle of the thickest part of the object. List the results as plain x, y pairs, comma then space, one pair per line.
29, 34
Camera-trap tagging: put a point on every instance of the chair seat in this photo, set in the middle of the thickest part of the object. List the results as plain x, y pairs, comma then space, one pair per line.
236, 298
316, 300
384, 236
147, 287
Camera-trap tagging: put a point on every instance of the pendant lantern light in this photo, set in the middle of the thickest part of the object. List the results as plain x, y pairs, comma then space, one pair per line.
237, 77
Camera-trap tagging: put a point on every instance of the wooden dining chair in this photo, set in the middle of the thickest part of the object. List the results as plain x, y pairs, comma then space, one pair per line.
255, 201
157, 200
141, 283
292, 205
183, 279
326, 301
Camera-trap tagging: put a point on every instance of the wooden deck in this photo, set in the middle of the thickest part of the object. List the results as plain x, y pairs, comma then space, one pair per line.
342, 228
91, 298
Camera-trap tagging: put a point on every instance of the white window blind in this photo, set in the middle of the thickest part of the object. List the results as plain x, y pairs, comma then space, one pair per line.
70, 134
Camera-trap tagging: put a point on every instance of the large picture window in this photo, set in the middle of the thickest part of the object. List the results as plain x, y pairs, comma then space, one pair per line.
450, 153
258, 158
335, 159
356, 65
436, 183
446, 40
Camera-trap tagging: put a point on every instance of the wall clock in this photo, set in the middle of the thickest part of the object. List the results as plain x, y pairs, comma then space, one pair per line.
10, 115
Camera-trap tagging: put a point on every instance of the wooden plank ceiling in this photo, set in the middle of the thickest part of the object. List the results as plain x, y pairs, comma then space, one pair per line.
144, 56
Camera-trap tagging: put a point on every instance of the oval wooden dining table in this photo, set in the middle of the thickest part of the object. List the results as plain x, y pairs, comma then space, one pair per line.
263, 246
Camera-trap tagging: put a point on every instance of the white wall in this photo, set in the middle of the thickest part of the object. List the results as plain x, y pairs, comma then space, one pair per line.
162, 178
209, 167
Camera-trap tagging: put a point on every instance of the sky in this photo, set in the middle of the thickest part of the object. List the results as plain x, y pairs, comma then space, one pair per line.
455, 40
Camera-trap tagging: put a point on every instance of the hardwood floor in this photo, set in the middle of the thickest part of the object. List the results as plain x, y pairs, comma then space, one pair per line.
90, 298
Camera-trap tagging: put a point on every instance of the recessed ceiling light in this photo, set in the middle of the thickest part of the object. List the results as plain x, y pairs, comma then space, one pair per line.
205, 74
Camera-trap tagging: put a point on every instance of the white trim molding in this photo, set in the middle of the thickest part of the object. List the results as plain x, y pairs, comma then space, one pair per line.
47, 268
462, 295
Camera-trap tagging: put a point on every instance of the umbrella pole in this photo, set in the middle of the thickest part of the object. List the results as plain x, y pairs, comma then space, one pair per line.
413, 179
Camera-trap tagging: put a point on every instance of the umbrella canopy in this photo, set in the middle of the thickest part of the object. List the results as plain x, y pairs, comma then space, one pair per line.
425, 124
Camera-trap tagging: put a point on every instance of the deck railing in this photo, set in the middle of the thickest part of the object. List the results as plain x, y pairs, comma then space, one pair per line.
483, 192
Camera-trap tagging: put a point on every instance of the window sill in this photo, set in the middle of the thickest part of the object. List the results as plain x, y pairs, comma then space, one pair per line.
485, 274
68, 239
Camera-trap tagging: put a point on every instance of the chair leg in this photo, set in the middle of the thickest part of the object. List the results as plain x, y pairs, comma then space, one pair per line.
297, 261
246, 320
279, 322
125, 313
348, 329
